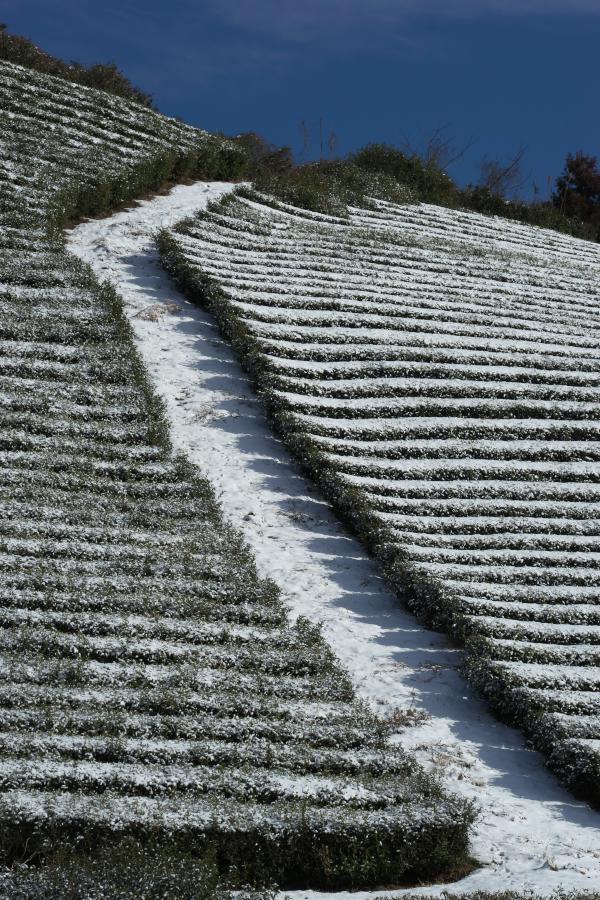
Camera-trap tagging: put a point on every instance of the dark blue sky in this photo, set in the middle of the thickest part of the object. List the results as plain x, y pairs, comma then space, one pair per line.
499, 72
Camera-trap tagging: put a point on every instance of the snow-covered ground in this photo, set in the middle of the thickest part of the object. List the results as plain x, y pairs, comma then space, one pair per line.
531, 833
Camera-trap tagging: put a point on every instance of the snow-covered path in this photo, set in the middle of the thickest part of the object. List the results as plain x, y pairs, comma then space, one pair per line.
531, 833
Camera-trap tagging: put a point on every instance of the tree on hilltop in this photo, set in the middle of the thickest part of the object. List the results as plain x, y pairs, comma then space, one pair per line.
577, 192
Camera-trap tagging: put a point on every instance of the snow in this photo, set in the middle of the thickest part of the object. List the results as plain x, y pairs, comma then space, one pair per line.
531, 833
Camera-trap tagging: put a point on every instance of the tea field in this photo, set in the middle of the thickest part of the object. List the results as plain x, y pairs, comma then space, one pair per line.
150, 685
437, 373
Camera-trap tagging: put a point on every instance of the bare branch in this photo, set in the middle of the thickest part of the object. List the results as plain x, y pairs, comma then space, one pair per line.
305, 134
438, 150
332, 144
503, 178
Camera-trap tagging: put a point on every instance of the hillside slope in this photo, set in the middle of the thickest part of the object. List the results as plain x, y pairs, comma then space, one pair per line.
530, 833
150, 684
69, 150
437, 372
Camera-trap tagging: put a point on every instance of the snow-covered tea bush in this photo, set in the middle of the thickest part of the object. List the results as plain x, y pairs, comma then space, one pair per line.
438, 373
129, 870
67, 150
150, 686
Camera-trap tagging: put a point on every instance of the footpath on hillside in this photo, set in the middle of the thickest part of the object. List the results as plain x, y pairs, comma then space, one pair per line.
531, 833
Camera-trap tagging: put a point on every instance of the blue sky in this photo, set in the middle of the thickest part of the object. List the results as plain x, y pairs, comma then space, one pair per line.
497, 73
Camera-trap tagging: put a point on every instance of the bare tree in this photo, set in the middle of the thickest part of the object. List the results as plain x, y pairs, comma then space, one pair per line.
503, 177
305, 135
438, 150
332, 143
328, 140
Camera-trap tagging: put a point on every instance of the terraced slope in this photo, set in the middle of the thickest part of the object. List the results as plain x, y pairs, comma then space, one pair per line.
67, 150
149, 682
439, 372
